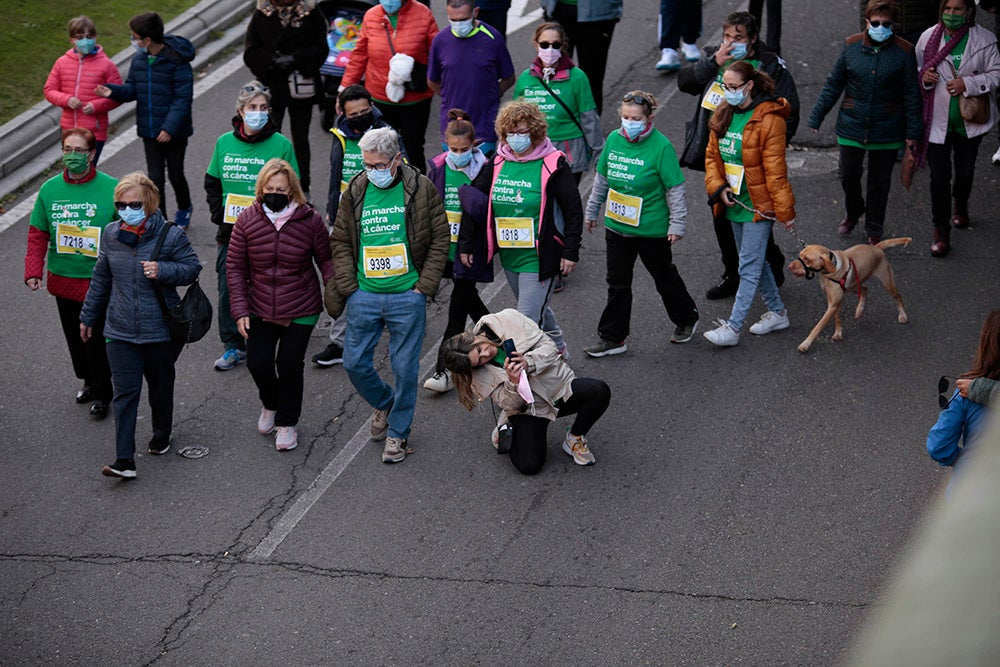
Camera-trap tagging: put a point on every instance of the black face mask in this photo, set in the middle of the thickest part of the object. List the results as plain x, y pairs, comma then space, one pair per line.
361, 123
275, 201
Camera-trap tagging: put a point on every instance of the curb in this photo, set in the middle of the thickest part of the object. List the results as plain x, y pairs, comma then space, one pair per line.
26, 139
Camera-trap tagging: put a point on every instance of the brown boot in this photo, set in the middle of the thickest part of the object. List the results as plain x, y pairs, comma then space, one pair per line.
942, 242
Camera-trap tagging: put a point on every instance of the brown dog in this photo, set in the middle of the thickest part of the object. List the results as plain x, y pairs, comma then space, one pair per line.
845, 271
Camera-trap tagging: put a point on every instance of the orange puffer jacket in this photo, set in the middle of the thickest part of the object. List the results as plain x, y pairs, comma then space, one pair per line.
73, 76
415, 29
763, 161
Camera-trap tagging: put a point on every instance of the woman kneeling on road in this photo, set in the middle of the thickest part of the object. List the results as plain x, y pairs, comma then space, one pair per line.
481, 368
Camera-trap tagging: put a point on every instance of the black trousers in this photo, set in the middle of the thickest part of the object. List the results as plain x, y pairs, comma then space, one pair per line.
939, 159
90, 359
658, 260
852, 166
773, 37
731, 254
411, 123
164, 158
592, 41
299, 116
275, 359
496, 18
465, 303
528, 447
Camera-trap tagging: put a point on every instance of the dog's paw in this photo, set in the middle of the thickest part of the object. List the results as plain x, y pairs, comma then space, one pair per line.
837, 335
903, 319
804, 346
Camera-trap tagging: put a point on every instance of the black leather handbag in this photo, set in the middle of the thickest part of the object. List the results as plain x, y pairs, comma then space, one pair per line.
191, 319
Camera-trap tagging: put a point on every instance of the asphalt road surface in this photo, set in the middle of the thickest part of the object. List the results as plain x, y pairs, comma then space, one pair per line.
747, 508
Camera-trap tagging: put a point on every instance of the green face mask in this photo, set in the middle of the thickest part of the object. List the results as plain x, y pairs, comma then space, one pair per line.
75, 162
953, 21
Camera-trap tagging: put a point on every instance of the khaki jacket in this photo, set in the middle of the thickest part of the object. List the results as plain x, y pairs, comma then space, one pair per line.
549, 376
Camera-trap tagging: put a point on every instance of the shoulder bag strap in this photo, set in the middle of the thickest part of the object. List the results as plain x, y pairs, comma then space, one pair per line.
156, 253
572, 116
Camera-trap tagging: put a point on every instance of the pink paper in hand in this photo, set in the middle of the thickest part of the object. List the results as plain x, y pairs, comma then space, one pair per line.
524, 389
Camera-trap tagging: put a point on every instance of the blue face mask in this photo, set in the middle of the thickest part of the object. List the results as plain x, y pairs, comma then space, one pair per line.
460, 160
633, 128
85, 46
739, 51
255, 120
391, 6
132, 217
879, 34
135, 45
519, 143
735, 97
462, 28
380, 178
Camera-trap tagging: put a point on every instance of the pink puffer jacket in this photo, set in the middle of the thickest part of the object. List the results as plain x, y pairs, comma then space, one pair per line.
73, 76
270, 273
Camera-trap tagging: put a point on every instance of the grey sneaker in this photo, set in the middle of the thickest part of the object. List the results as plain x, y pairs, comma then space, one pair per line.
605, 348
380, 424
684, 332
394, 450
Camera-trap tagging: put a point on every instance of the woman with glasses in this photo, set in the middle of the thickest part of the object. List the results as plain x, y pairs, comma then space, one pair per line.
877, 75
125, 283
640, 178
230, 184
65, 228
746, 176
74, 77
275, 297
534, 220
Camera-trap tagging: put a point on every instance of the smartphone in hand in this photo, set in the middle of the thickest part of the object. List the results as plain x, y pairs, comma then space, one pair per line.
508, 347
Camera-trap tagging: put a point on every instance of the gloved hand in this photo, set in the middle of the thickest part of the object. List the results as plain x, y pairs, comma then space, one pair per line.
283, 63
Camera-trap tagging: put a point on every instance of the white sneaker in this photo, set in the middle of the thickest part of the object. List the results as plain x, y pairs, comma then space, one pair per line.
439, 382
996, 157
691, 52
576, 446
770, 321
287, 438
723, 335
265, 423
669, 61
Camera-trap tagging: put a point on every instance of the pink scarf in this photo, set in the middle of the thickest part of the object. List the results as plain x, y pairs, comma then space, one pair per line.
934, 55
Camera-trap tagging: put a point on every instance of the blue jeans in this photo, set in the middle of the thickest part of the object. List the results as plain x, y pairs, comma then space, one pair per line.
404, 315
679, 19
751, 239
533, 302
129, 364
228, 332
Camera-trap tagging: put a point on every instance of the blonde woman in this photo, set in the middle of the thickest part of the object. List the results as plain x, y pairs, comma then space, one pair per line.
274, 295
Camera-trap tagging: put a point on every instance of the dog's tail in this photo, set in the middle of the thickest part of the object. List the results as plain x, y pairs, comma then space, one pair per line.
888, 243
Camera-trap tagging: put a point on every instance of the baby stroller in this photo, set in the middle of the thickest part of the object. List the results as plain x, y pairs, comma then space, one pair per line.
344, 19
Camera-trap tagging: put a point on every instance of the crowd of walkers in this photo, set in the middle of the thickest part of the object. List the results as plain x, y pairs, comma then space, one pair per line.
504, 186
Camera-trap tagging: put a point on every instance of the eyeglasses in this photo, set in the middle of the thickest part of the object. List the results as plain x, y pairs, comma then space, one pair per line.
550, 45
134, 205
256, 89
381, 165
638, 99
875, 24
942, 388
75, 149
733, 89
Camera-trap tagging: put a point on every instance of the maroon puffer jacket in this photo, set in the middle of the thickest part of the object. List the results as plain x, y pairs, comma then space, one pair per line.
270, 273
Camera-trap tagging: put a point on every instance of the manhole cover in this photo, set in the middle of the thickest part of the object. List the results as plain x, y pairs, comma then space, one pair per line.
812, 162
193, 452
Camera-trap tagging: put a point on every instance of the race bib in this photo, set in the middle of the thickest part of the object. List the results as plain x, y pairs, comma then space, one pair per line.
713, 97
625, 209
454, 220
516, 232
236, 204
385, 261
734, 177
74, 240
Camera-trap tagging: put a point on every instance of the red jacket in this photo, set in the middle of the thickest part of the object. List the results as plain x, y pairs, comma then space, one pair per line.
270, 273
73, 76
415, 30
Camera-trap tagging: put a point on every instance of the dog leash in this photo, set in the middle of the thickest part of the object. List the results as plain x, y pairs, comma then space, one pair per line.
769, 215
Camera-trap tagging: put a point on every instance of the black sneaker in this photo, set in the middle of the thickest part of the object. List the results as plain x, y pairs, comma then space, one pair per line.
331, 356
726, 288
99, 409
123, 468
157, 447
84, 395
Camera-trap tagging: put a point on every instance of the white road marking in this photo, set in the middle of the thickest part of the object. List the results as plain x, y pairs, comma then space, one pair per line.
517, 19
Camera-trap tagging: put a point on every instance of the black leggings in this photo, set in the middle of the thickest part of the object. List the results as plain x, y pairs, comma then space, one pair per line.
168, 158
589, 401
465, 303
275, 357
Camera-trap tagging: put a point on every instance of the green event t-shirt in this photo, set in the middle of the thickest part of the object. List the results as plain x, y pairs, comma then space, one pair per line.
574, 92
353, 162
517, 203
731, 149
955, 121
74, 216
887, 146
236, 164
453, 180
639, 175
385, 265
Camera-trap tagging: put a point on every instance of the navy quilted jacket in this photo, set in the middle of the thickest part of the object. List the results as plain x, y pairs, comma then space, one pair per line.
162, 90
